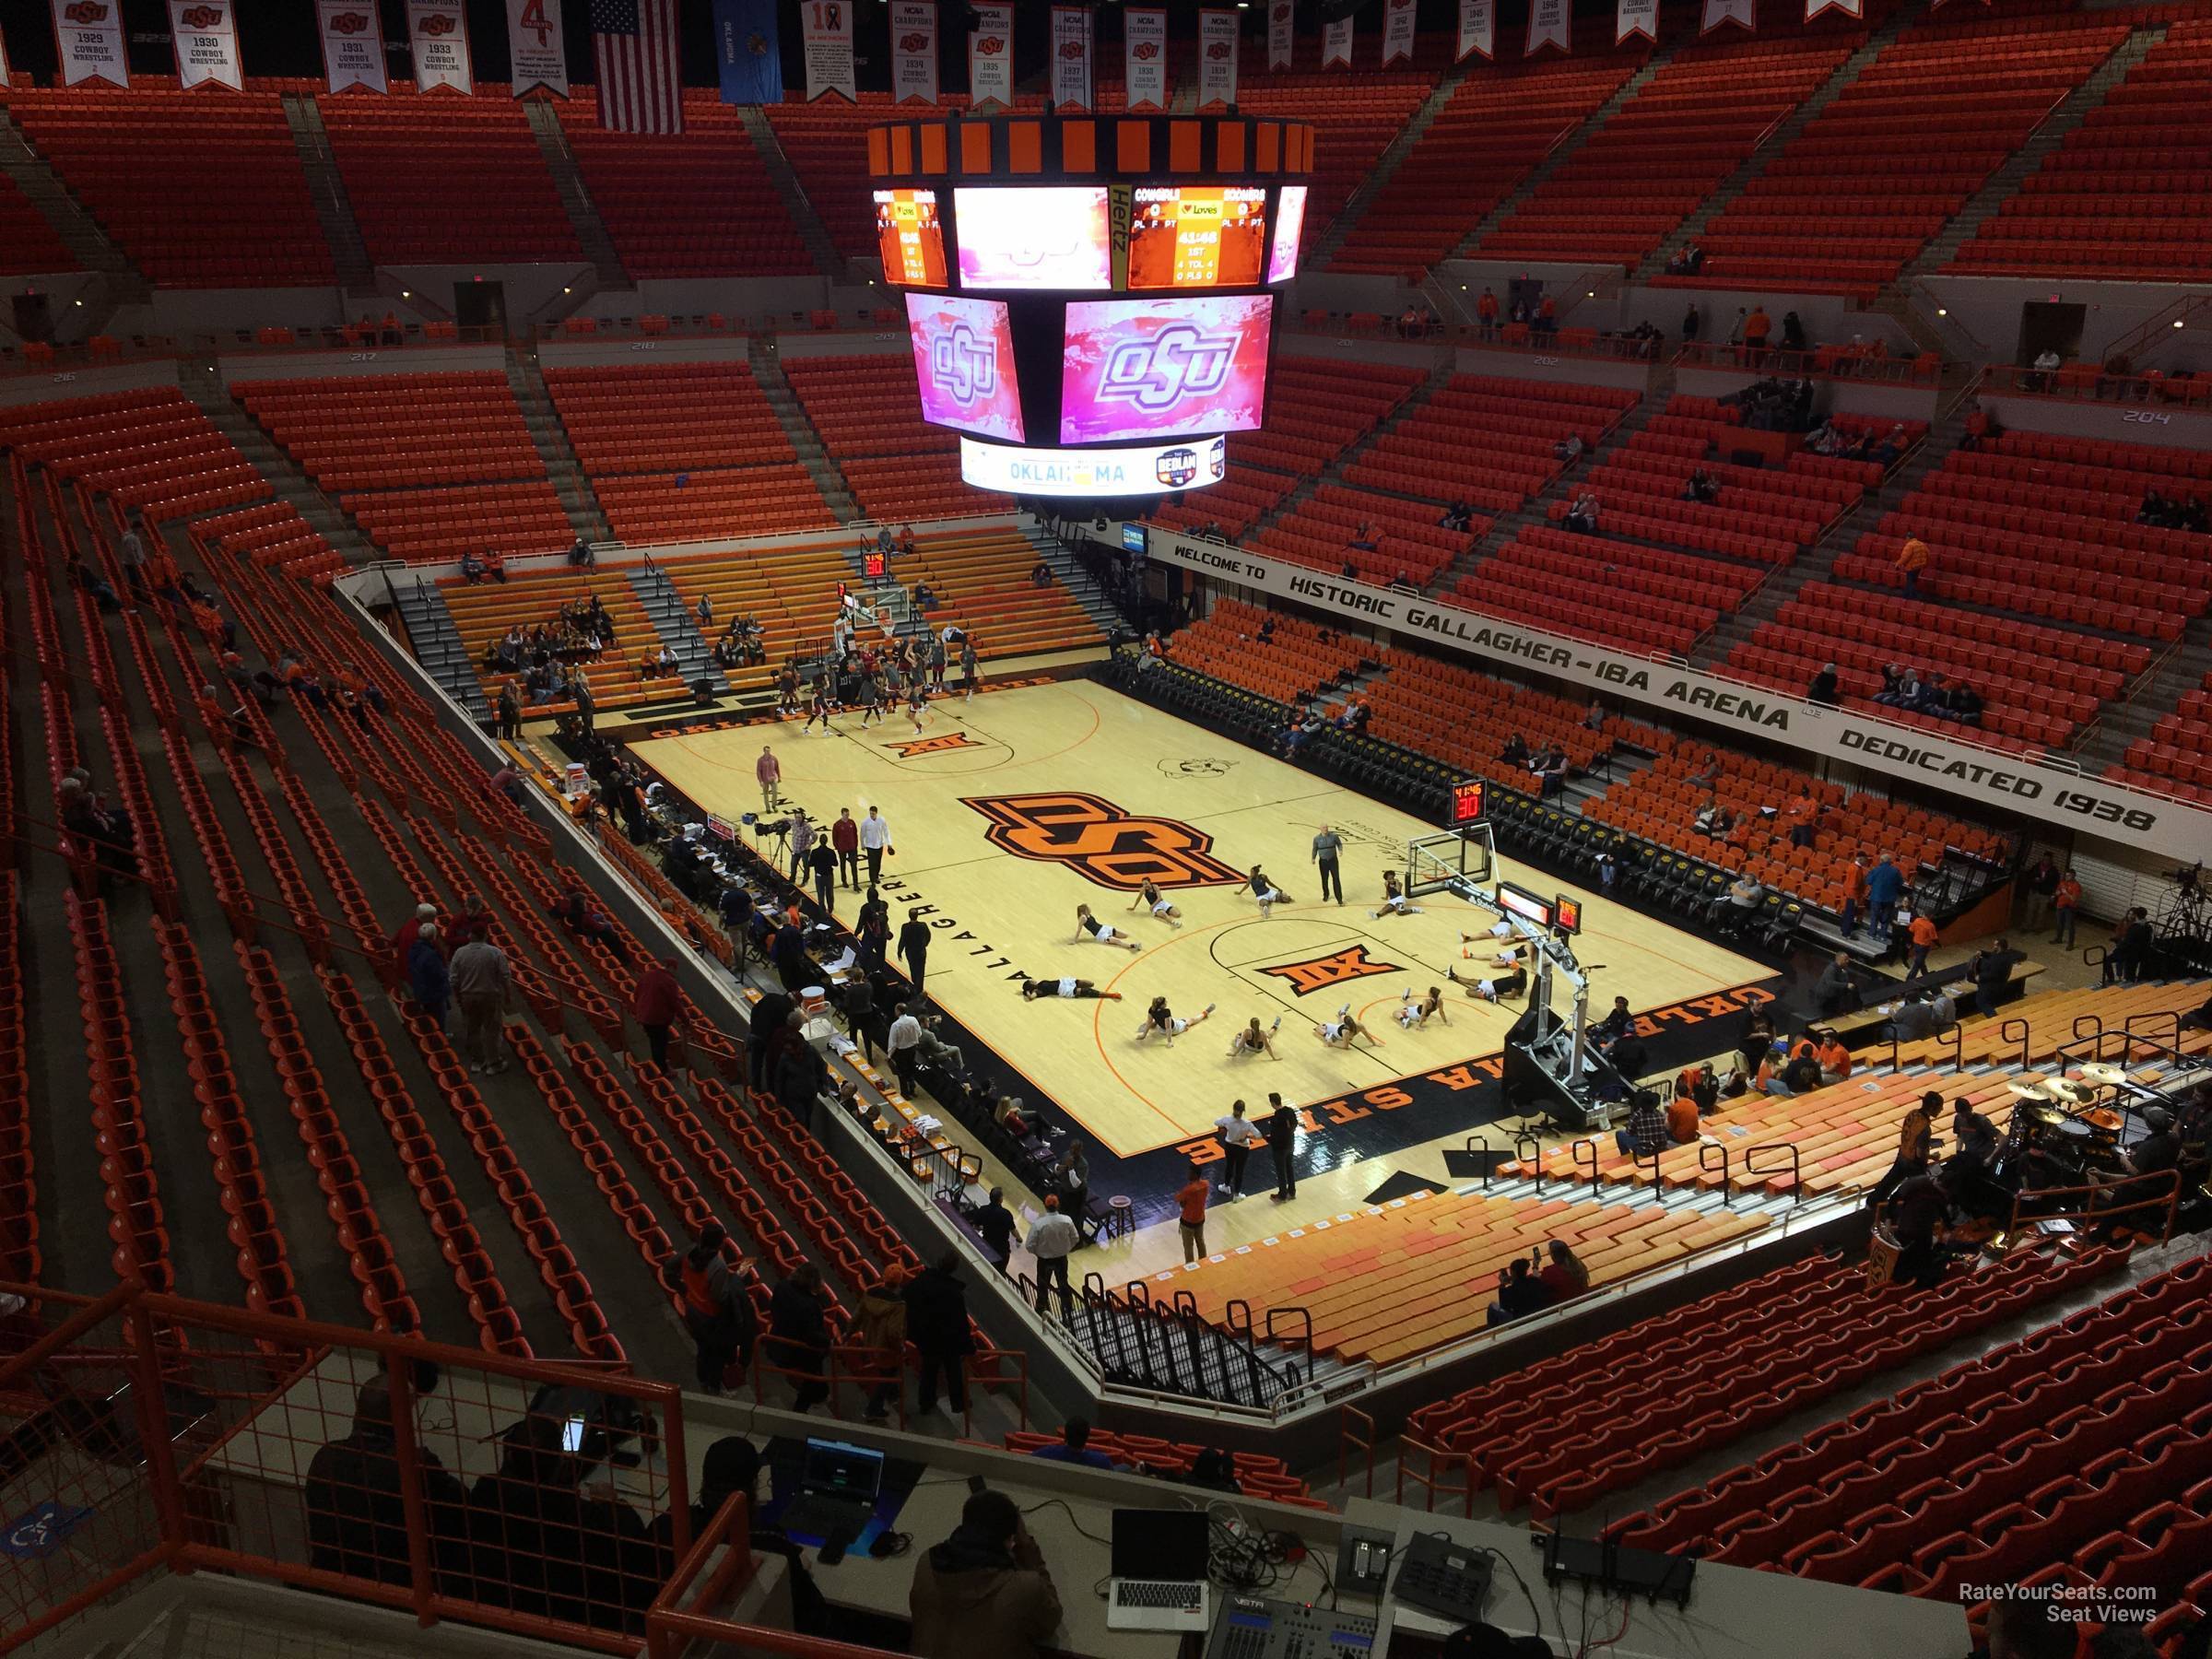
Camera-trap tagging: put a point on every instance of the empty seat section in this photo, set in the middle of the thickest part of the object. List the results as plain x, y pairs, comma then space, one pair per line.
870, 420
982, 583
2177, 756
1356, 116
27, 244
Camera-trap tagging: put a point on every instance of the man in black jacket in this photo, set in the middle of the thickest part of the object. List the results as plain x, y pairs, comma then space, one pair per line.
1282, 1145
913, 946
936, 1324
763, 1035
800, 1075
356, 1520
996, 1222
1993, 972
798, 1332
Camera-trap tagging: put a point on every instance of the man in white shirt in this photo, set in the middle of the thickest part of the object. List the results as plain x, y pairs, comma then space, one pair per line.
874, 837
1238, 1136
1052, 1236
904, 1043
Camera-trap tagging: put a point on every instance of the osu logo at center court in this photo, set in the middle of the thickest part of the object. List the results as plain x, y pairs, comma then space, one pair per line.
1320, 973
1158, 373
1100, 842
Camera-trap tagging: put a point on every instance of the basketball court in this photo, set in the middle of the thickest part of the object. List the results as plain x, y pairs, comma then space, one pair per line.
1010, 812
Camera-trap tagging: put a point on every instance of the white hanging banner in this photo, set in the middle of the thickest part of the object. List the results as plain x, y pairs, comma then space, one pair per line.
1145, 56
1071, 57
1397, 31
88, 39
205, 33
914, 52
991, 54
1547, 22
1718, 12
1477, 29
1850, 9
1278, 34
438, 31
1216, 57
1336, 44
536, 47
3, 60
1635, 18
825, 30
353, 44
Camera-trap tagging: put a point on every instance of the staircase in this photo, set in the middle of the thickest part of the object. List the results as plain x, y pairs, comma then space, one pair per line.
2150, 700
760, 351
1074, 579
1385, 169
568, 179
120, 282
1998, 188
204, 387
1439, 378
437, 643
1561, 153
1690, 229
827, 261
333, 209
673, 620
528, 383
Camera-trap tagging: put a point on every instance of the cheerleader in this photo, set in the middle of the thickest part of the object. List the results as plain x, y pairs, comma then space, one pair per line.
1344, 1030
1088, 926
1251, 1040
1395, 903
1414, 1015
1033, 989
1160, 1021
1492, 988
1265, 891
1149, 894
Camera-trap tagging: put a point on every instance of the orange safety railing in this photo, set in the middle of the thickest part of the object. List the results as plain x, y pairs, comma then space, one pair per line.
2090, 382
151, 1432
684, 1612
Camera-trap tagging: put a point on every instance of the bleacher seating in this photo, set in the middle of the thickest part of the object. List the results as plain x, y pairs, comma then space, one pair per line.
982, 584
897, 467
1875, 174
485, 612
2177, 756
698, 203
431, 465
1397, 1279
1299, 664
2127, 194
677, 452
1661, 154
1498, 124
27, 244
1361, 112
447, 181
152, 449
197, 190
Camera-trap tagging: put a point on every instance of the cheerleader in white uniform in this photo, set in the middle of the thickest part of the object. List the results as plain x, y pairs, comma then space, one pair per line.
1150, 895
1069, 986
1395, 903
1344, 1030
1265, 891
1414, 1015
1160, 1021
1088, 926
1493, 988
1251, 1040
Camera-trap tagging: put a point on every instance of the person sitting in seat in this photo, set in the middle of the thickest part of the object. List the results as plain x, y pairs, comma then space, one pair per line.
1520, 1293
1582, 517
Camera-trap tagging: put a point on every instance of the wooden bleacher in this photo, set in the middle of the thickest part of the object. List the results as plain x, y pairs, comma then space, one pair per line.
1408, 1276
791, 591
485, 611
1858, 1029
980, 579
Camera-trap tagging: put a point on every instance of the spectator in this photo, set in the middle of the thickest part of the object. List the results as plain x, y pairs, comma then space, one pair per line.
1793, 333
1191, 1201
1646, 1131
936, 1324
1757, 327
1993, 972
1823, 688
2065, 903
427, 977
1736, 329
903, 1043
2047, 363
1564, 1275
1913, 558
481, 985
1835, 1059
130, 551
1691, 321
1915, 1147
1884, 886
1282, 1146
1582, 517
986, 1589
800, 1073
657, 1002
1837, 993
1520, 1293
1075, 1447
2129, 957
1486, 315
1924, 936
823, 861
732, 1469
356, 1520
995, 1221
798, 1334
1052, 1237
718, 1312
883, 1331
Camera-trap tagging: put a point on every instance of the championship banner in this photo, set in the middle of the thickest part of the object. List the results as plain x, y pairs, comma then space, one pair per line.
1850, 9
438, 32
914, 52
826, 30
1278, 34
1216, 57
353, 44
1636, 18
1145, 56
1071, 57
536, 48
1547, 25
1718, 12
1336, 44
1477, 29
1397, 31
88, 39
991, 54
205, 33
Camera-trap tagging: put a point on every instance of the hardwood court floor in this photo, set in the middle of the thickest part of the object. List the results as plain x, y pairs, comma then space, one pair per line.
1009, 811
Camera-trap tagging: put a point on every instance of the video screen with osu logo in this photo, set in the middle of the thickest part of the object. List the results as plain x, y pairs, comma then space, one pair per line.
1051, 238
911, 236
1163, 367
964, 363
1196, 236
1289, 220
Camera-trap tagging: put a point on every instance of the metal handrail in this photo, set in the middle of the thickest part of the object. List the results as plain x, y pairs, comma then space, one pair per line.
2170, 1201
2005, 1030
1523, 1139
1750, 1166
1576, 1149
1705, 1150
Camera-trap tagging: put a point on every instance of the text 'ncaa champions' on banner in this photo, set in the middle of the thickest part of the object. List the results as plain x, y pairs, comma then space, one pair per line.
2017, 783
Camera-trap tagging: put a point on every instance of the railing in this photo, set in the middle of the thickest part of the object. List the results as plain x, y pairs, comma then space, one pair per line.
1349, 1443
1705, 1150
2089, 382
2005, 1030
684, 1611
2163, 1199
1750, 1166
1820, 362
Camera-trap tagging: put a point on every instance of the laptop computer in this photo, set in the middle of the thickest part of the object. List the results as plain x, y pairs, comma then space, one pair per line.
1159, 1579
839, 1484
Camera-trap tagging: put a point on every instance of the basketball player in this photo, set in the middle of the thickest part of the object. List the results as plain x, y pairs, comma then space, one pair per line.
819, 708
917, 700
1344, 1030
968, 677
1160, 1021
787, 691
1395, 903
1033, 989
1251, 1040
871, 699
1149, 894
1265, 891
1490, 989
1090, 927
1414, 1015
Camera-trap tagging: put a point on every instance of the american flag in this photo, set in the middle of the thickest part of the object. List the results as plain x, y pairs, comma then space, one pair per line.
634, 43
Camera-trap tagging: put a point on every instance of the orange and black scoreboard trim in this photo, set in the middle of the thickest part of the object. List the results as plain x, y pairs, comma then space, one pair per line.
1026, 147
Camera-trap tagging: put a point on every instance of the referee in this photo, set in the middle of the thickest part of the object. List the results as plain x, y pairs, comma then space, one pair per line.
1328, 844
